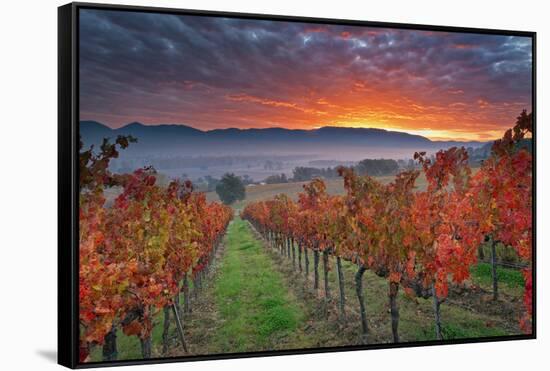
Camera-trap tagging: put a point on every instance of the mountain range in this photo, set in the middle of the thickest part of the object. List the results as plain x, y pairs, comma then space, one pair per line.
185, 140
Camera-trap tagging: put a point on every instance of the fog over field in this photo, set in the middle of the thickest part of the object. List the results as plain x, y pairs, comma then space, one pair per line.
180, 151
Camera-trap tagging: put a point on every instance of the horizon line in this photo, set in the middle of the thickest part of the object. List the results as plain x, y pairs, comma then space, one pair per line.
433, 139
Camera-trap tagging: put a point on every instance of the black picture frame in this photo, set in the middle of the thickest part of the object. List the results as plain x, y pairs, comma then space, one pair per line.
68, 118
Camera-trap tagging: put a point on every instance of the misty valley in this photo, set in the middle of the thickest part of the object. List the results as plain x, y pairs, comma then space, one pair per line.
270, 155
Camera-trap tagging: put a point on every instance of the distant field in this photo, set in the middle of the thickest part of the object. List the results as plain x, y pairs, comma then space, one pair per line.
267, 191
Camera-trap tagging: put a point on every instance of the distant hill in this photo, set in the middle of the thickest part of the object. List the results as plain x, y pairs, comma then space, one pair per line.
93, 131
167, 139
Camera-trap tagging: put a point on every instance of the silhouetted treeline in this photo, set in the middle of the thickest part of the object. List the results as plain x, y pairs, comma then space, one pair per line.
303, 174
378, 167
276, 179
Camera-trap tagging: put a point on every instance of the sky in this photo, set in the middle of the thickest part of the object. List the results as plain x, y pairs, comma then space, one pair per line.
210, 73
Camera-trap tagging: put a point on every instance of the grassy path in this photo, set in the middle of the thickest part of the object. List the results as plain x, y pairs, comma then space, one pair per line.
248, 306
255, 308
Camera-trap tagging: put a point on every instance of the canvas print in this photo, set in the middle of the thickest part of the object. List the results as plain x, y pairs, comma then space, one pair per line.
254, 185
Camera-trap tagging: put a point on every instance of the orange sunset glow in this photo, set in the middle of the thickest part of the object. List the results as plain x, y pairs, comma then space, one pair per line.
212, 73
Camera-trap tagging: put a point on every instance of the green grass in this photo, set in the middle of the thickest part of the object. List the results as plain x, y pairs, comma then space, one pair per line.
255, 306
512, 277
470, 329
458, 323
416, 314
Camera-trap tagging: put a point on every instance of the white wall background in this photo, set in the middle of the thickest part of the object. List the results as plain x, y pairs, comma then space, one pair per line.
28, 155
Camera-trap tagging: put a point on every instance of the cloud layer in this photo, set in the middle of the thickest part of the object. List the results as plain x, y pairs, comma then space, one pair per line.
211, 72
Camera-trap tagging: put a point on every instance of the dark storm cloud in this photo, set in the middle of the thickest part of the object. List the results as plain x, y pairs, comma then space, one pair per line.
217, 72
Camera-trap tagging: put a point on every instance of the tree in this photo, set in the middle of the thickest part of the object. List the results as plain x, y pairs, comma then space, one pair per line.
503, 191
276, 179
379, 167
134, 253
302, 174
94, 167
230, 189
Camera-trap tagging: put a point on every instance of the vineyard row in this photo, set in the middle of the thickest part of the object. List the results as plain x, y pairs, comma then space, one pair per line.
421, 241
